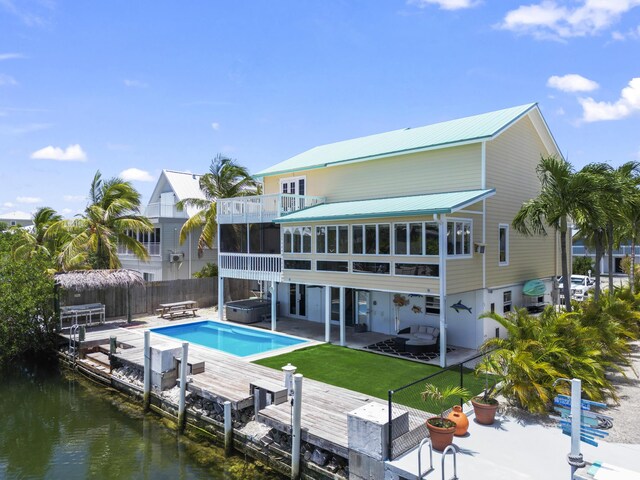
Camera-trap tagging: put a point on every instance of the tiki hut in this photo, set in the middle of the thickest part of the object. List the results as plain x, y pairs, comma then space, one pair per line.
78, 280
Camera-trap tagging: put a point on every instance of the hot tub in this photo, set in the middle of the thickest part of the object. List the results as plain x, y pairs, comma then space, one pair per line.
248, 311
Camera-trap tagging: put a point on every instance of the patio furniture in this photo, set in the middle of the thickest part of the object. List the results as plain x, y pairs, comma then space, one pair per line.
420, 337
87, 311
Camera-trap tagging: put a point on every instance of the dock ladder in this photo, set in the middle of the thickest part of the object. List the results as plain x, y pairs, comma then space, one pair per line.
73, 333
451, 448
421, 474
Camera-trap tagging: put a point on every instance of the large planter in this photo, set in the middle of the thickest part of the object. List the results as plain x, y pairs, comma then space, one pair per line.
441, 437
485, 413
460, 419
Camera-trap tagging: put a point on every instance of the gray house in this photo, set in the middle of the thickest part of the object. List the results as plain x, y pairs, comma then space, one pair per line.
13, 219
168, 259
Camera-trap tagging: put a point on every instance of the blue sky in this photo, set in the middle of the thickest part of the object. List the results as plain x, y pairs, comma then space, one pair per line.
130, 88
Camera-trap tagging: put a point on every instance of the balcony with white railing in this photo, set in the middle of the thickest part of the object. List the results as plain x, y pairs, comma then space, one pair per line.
263, 208
250, 266
164, 210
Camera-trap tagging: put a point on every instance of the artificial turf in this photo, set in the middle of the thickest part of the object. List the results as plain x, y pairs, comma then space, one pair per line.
369, 373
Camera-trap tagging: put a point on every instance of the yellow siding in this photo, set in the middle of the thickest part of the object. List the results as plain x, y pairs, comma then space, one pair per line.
449, 169
511, 160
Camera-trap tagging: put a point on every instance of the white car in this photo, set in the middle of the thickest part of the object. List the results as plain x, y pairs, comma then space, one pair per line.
580, 286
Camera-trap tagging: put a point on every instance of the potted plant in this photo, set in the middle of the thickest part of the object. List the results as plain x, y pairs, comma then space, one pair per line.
441, 429
486, 404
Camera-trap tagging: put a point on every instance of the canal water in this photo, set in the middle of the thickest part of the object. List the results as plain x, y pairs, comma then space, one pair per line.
59, 425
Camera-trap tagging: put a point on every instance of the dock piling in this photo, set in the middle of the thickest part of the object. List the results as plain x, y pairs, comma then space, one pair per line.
113, 345
183, 387
297, 413
147, 370
228, 429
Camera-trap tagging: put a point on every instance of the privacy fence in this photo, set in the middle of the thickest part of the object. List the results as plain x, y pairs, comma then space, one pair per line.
408, 412
145, 299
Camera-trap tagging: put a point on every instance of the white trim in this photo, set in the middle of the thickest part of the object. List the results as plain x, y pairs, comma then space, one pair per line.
408, 241
461, 220
470, 212
330, 271
484, 242
314, 240
483, 165
295, 179
364, 236
472, 202
291, 228
506, 253
393, 270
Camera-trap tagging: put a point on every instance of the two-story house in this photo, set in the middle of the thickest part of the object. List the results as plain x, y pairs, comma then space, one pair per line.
168, 259
424, 213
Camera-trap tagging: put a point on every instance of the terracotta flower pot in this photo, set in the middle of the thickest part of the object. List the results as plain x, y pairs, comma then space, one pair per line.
485, 413
441, 437
460, 419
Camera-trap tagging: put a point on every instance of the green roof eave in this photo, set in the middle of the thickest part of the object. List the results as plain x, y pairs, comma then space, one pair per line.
429, 204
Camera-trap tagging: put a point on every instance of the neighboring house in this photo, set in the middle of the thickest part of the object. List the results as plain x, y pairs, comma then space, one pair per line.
422, 212
168, 259
16, 219
579, 250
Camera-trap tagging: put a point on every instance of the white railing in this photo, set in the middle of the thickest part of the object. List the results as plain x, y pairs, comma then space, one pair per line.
262, 208
163, 210
623, 250
250, 266
153, 248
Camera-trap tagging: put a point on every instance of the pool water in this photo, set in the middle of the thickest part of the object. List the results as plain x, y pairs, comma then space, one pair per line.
239, 341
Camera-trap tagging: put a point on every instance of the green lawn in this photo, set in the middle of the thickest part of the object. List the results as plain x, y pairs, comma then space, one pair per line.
368, 373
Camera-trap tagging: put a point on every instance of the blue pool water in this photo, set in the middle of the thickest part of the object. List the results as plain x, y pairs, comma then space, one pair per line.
240, 341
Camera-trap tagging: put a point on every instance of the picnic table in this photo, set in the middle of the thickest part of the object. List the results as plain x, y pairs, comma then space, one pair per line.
178, 309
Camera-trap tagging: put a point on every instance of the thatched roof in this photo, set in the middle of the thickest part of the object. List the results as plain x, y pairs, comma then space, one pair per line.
95, 279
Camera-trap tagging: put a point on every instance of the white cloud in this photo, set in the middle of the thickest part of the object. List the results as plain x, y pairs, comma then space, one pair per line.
136, 174
572, 83
10, 56
134, 83
8, 205
445, 4
74, 198
7, 80
560, 111
66, 211
28, 199
73, 153
22, 129
626, 105
17, 215
215, 126
557, 19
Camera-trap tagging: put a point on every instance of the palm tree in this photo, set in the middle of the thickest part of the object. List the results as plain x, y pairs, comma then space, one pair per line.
564, 194
630, 230
33, 240
225, 179
109, 218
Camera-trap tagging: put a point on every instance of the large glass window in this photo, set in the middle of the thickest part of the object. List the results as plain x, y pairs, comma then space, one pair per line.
329, 266
297, 264
332, 239
370, 239
401, 238
371, 267
459, 237
417, 269
297, 240
416, 238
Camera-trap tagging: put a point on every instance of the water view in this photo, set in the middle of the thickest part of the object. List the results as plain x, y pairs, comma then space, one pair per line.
57, 425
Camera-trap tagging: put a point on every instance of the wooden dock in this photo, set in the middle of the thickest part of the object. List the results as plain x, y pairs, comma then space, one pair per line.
227, 377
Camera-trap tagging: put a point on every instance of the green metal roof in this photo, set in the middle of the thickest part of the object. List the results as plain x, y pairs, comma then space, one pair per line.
407, 140
448, 202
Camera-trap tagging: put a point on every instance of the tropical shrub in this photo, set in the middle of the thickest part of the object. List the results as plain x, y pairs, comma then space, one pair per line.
209, 270
582, 266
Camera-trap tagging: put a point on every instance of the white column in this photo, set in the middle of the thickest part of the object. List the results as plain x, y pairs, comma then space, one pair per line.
220, 297
184, 359
442, 224
147, 370
295, 427
274, 304
327, 313
343, 335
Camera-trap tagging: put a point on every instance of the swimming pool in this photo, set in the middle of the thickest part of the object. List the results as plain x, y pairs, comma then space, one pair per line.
240, 341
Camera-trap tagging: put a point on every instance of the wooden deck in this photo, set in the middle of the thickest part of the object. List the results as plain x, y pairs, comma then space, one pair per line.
226, 377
